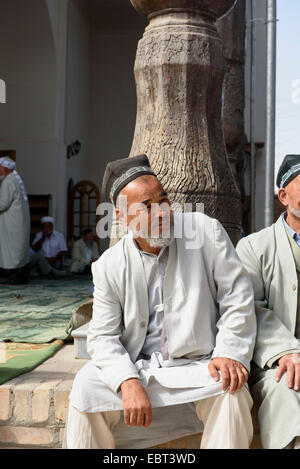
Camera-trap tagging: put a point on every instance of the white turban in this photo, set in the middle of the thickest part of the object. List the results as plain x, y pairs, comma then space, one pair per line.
7, 162
47, 220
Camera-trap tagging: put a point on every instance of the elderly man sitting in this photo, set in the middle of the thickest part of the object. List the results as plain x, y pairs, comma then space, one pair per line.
14, 223
84, 252
272, 258
172, 318
39, 266
50, 243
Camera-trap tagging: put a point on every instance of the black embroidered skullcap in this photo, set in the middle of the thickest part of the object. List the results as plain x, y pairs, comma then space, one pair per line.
119, 173
87, 231
289, 169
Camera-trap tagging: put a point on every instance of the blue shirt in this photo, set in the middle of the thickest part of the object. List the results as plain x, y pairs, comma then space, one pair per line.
291, 231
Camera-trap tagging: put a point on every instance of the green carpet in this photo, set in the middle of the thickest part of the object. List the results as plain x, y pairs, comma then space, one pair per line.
41, 311
35, 319
22, 358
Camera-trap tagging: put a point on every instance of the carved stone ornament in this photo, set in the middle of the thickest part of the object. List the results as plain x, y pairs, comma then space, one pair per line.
212, 8
179, 72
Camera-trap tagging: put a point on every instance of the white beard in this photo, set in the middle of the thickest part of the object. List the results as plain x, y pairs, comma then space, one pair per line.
157, 242
294, 212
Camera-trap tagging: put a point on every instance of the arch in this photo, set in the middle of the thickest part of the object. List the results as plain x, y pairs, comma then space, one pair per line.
83, 202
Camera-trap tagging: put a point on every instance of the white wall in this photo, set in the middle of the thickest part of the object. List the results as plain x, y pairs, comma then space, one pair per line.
30, 120
28, 67
46, 69
77, 92
112, 86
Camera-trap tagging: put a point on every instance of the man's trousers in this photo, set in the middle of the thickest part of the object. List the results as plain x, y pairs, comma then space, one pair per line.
226, 418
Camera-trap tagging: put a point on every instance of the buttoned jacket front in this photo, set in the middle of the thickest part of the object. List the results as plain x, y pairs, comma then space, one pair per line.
268, 257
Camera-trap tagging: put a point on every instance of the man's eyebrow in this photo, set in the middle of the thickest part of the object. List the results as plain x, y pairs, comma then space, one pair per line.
163, 194
145, 202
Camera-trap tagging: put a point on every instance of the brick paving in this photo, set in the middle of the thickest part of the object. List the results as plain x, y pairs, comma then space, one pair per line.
33, 406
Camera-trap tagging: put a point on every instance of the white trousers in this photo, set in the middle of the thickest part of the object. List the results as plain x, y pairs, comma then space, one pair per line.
226, 418
295, 444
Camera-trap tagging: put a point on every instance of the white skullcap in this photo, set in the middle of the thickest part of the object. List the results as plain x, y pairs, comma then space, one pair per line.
7, 162
47, 220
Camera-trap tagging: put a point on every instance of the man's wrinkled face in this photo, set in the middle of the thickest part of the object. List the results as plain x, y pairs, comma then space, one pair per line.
290, 196
4, 172
88, 238
149, 215
48, 228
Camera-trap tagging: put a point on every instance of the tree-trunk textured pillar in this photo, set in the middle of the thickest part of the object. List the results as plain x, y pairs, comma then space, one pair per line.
179, 72
232, 30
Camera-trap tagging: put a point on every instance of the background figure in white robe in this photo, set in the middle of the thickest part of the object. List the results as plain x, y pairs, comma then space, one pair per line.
14, 222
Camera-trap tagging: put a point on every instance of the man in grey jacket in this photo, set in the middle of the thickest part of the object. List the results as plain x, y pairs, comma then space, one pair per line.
272, 258
172, 332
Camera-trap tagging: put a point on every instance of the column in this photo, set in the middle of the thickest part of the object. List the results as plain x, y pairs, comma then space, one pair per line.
179, 72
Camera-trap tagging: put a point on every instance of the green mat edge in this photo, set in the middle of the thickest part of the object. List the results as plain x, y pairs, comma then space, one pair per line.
11, 369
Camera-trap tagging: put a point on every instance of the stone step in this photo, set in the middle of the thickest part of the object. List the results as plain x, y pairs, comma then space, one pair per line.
33, 407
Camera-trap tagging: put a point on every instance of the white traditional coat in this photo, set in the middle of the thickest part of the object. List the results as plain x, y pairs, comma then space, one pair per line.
14, 224
208, 303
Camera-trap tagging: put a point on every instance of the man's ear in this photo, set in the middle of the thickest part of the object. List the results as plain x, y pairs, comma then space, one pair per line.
119, 216
283, 197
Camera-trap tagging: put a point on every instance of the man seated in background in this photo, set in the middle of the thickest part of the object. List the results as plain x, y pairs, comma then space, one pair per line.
39, 266
85, 251
50, 243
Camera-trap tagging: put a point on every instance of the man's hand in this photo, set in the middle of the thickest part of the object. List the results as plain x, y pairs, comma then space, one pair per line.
232, 372
290, 364
136, 404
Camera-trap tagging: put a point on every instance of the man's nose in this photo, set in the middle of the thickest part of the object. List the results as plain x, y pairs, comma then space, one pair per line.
161, 210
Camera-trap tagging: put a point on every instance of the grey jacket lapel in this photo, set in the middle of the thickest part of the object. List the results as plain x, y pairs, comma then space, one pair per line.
287, 262
284, 251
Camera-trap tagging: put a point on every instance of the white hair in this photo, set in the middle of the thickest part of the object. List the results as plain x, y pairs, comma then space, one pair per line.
294, 212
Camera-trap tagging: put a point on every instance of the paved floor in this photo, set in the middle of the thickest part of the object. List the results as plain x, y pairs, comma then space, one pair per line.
33, 406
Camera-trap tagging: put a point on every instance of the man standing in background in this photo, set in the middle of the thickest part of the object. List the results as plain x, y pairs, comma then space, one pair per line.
14, 223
